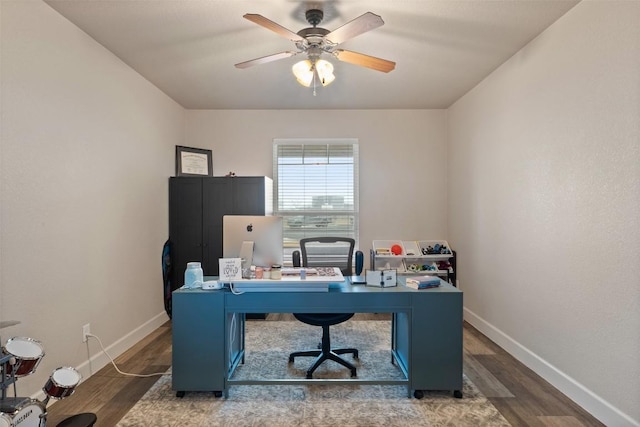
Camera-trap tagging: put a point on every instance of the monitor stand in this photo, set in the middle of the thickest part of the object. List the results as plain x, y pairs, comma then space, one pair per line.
246, 254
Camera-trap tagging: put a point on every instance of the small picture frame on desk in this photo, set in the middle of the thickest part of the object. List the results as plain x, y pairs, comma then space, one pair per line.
193, 161
230, 269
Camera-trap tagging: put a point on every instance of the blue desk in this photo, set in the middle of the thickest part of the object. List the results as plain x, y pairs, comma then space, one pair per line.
208, 333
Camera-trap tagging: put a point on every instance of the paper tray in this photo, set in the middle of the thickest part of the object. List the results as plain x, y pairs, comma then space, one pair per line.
289, 283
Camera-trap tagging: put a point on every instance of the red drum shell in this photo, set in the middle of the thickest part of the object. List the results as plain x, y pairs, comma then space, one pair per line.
27, 352
62, 383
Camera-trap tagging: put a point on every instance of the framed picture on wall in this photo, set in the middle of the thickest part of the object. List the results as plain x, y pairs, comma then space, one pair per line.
193, 161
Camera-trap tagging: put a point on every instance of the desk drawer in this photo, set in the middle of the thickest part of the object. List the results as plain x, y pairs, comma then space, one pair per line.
321, 302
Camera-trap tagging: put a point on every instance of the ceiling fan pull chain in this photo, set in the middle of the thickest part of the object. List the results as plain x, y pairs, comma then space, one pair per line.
314, 82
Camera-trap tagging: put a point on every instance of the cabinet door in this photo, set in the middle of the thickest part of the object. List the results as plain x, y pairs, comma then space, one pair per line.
217, 198
185, 224
249, 196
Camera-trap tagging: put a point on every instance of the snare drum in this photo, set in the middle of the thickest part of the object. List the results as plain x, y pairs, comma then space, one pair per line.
30, 413
28, 354
62, 383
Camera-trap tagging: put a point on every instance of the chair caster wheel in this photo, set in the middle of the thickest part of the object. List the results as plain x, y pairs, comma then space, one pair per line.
180, 394
457, 394
309, 376
418, 394
217, 394
353, 373
291, 359
355, 355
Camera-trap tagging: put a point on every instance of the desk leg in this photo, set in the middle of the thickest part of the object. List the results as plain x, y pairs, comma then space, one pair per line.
393, 338
234, 345
401, 345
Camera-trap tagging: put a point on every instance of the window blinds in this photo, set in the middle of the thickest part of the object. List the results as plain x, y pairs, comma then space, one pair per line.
316, 188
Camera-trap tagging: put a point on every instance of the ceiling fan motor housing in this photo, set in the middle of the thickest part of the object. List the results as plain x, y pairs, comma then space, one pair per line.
313, 35
313, 32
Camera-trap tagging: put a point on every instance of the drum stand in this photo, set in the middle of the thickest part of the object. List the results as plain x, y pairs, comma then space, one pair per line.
7, 380
7, 360
8, 405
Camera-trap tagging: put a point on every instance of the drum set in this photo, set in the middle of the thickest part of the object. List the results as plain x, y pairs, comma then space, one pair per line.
19, 357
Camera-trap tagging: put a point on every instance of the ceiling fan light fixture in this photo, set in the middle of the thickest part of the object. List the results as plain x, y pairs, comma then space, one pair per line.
304, 72
325, 72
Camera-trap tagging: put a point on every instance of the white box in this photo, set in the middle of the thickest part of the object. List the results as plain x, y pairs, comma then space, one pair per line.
382, 248
382, 278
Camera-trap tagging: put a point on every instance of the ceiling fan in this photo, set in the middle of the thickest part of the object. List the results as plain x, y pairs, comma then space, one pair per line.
314, 41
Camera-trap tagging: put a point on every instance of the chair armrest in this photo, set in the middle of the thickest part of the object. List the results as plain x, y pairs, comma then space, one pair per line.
296, 258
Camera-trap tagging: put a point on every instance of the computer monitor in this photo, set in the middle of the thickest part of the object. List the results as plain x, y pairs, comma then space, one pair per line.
264, 231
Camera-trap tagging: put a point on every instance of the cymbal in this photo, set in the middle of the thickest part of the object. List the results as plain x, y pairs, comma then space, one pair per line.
7, 323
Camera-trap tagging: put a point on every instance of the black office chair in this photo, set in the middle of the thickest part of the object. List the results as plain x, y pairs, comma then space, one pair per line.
327, 252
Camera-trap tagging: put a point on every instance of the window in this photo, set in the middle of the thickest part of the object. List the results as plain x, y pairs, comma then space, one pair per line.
316, 188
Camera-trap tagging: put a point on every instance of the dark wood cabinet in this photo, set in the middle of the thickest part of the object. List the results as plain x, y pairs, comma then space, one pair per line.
196, 208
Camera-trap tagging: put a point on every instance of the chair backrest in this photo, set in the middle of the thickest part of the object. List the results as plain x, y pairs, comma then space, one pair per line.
328, 252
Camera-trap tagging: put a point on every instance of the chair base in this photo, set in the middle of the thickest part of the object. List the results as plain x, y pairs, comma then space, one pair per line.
326, 353
321, 356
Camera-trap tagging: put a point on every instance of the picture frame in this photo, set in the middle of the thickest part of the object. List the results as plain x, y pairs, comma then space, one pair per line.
193, 161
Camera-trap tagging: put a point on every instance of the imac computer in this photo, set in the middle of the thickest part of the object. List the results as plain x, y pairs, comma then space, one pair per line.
255, 239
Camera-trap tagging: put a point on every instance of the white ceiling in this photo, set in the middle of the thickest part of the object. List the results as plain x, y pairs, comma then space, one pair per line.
188, 48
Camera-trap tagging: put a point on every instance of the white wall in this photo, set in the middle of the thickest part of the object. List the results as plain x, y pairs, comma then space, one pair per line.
539, 191
402, 159
544, 197
86, 148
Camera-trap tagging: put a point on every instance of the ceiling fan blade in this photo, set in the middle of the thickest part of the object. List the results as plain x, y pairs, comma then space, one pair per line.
361, 24
270, 25
265, 59
365, 60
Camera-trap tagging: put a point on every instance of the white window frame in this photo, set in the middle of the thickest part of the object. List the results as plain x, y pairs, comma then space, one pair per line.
291, 236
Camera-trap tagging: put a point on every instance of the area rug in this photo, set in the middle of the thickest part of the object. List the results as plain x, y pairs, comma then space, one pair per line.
268, 345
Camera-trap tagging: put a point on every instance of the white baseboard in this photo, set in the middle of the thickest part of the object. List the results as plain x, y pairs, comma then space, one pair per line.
589, 401
99, 360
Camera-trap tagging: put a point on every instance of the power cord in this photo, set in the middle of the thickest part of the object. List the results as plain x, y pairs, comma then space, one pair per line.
116, 367
234, 290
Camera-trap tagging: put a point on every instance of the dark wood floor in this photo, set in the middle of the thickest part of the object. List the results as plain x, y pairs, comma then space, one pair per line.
519, 394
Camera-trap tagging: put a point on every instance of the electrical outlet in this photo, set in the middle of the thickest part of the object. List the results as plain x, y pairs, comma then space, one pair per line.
86, 330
